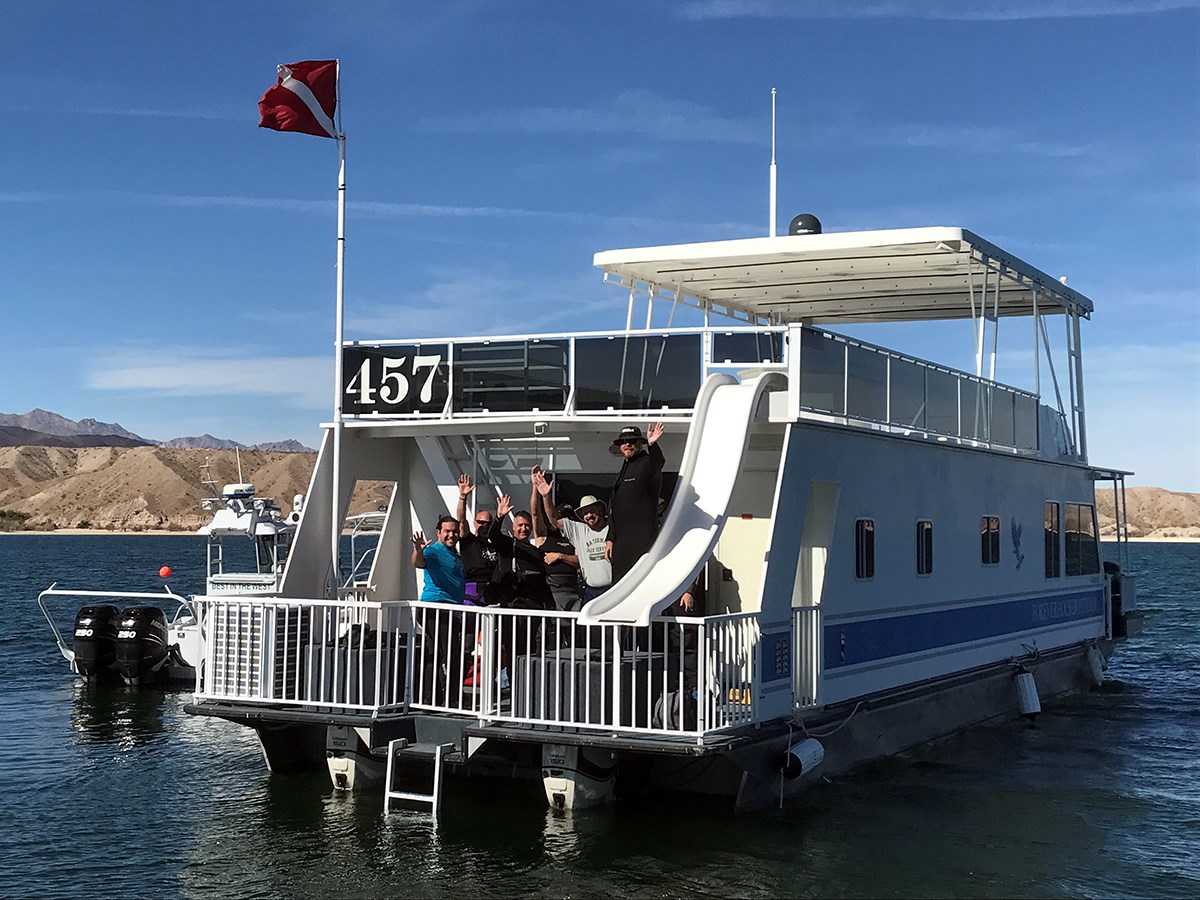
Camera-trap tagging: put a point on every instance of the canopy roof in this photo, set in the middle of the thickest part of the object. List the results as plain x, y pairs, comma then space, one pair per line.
858, 276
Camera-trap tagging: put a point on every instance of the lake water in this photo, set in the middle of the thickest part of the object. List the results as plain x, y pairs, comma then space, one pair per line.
116, 792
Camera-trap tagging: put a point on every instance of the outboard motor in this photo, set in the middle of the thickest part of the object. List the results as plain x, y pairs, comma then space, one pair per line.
95, 637
141, 645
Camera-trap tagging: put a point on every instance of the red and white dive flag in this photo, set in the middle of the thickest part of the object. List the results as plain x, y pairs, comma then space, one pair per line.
304, 100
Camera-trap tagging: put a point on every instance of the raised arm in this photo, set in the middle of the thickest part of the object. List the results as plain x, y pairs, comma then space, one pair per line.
653, 433
418, 549
535, 507
464, 490
544, 487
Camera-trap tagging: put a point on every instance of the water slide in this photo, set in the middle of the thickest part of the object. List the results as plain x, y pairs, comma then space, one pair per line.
712, 458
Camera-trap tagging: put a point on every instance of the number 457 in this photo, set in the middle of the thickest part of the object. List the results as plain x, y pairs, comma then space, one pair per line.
394, 384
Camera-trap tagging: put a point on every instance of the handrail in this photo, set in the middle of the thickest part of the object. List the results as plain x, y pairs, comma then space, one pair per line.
68, 653
681, 676
846, 386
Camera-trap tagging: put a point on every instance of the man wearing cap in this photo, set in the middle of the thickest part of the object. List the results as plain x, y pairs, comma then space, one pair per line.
633, 513
588, 537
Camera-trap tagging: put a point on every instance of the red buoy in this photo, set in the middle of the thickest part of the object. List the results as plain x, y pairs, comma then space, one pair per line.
165, 572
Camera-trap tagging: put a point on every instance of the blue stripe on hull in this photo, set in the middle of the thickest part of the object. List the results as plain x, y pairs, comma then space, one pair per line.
850, 643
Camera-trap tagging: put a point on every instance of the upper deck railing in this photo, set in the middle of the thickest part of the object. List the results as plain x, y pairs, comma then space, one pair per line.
657, 372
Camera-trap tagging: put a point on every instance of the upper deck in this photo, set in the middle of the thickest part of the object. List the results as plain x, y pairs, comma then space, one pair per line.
771, 292
898, 275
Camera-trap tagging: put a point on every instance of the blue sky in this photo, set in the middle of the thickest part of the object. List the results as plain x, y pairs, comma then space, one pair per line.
169, 266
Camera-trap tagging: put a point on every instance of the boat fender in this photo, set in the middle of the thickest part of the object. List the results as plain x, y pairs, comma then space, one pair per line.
802, 758
1095, 665
1027, 695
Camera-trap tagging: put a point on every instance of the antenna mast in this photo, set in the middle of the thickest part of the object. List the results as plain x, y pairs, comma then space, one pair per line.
772, 229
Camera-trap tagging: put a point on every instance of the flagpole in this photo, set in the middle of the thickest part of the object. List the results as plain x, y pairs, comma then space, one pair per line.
336, 506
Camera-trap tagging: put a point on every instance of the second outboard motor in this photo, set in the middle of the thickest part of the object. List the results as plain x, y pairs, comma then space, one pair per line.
141, 645
95, 637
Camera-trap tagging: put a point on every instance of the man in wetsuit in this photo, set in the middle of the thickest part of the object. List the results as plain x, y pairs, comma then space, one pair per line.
633, 507
478, 556
520, 577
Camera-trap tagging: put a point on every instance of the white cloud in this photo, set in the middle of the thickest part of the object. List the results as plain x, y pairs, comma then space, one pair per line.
973, 138
638, 112
703, 10
301, 381
464, 302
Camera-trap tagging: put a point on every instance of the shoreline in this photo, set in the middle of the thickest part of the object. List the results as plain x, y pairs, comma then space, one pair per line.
78, 532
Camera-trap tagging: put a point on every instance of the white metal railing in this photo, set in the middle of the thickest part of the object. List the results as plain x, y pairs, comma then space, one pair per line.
806, 664
657, 370
683, 676
309, 653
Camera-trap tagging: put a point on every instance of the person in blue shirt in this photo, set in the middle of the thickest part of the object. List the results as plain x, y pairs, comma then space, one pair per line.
445, 579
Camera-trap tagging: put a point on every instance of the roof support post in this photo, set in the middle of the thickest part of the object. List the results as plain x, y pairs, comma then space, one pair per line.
981, 321
1037, 370
995, 329
1077, 361
795, 333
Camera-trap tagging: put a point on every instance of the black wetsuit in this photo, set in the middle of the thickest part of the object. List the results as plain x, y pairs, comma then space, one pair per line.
479, 562
633, 510
520, 576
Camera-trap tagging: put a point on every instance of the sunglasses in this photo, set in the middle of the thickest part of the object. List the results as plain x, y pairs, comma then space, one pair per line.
483, 521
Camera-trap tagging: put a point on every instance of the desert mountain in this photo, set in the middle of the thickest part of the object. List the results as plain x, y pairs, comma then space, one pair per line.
16, 436
46, 422
1152, 512
142, 488
41, 428
159, 488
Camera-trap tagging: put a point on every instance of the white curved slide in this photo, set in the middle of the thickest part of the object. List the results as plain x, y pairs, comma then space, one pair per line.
712, 458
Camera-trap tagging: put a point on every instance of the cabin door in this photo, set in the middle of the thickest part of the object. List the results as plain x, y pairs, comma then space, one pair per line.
815, 542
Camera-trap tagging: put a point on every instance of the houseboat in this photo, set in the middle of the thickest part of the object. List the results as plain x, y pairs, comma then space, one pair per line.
891, 549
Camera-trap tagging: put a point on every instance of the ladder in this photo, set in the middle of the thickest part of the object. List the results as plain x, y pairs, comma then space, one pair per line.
397, 748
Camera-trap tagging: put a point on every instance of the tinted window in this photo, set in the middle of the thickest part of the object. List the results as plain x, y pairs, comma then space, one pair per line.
924, 547
864, 548
637, 372
1052, 529
989, 533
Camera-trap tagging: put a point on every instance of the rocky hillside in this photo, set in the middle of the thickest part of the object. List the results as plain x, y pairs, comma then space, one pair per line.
1152, 512
140, 488
159, 488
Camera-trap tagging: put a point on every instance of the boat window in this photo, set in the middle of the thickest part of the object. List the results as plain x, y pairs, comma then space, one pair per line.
1083, 552
973, 409
941, 398
989, 534
1004, 410
1053, 527
747, 347
1025, 415
924, 547
822, 373
864, 548
866, 384
908, 394
637, 372
511, 376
